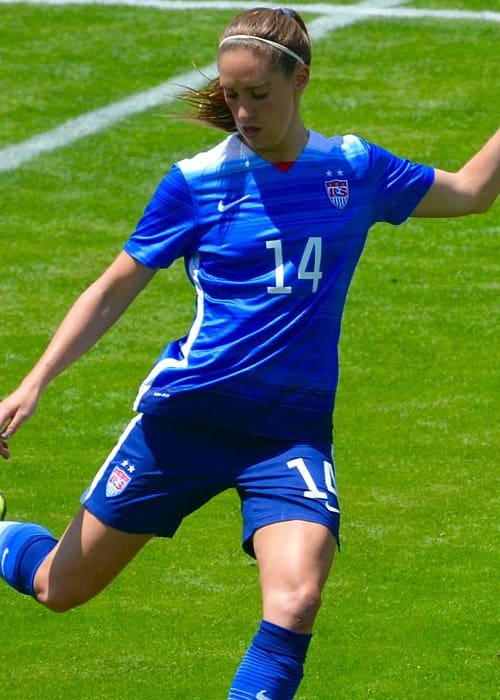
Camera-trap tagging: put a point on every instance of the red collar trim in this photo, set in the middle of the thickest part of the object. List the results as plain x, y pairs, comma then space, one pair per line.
284, 166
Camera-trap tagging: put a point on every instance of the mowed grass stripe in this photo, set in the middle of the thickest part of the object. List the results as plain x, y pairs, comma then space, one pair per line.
411, 609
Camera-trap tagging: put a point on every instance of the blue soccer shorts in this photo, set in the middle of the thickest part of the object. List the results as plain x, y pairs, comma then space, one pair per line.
163, 469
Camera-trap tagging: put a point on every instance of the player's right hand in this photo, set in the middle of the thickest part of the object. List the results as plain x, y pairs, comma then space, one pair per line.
14, 410
4, 448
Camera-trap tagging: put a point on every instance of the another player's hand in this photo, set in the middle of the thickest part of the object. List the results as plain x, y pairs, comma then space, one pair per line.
14, 410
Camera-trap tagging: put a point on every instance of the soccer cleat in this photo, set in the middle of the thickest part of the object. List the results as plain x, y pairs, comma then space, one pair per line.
3, 506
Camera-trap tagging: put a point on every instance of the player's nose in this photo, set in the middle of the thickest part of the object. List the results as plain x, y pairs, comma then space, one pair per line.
245, 111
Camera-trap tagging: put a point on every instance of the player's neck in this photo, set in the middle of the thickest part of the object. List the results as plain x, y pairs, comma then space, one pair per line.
293, 150
288, 151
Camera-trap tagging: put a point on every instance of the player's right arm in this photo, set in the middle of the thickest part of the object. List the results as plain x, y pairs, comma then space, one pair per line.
89, 318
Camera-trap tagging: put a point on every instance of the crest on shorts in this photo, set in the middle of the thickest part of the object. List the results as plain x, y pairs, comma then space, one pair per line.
338, 192
117, 482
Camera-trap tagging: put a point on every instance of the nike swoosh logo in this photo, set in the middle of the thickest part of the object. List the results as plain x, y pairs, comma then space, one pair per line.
222, 207
261, 695
6, 551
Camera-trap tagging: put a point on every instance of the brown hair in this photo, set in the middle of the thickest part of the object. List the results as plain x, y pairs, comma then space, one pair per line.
282, 26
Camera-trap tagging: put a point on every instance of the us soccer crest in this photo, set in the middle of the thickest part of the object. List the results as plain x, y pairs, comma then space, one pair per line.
117, 482
338, 192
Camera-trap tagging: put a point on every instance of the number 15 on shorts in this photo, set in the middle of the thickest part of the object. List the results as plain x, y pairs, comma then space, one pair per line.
312, 490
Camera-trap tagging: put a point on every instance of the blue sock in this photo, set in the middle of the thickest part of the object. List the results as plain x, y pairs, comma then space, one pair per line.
272, 668
23, 547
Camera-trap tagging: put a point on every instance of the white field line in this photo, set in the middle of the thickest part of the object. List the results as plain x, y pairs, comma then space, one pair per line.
89, 123
362, 9
11, 157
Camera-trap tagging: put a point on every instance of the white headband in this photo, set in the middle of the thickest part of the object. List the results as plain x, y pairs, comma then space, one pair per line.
280, 47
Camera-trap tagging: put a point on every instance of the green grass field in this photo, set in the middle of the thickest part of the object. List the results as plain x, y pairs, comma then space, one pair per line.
411, 610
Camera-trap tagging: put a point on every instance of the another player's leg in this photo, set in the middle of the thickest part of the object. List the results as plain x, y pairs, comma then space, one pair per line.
64, 574
294, 561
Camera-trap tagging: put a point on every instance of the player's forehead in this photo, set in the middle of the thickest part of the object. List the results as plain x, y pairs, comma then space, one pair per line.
245, 68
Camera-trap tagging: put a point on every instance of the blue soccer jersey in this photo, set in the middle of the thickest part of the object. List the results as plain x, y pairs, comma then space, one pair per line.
271, 255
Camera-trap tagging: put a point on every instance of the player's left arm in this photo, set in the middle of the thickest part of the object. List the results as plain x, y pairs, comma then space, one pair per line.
470, 190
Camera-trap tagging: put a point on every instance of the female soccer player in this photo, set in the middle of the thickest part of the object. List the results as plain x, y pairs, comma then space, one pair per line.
271, 223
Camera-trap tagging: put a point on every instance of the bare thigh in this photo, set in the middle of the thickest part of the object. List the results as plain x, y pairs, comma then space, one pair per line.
294, 559
86, 559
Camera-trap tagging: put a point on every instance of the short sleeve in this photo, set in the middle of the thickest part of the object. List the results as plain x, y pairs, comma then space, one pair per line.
166, 231
399, 184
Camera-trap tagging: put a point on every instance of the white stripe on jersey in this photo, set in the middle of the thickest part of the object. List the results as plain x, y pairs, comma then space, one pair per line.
193, 267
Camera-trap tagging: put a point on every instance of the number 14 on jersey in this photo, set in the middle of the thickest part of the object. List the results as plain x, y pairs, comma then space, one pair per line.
309, 266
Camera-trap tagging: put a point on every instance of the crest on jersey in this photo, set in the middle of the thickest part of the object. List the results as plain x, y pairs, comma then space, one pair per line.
117, 482
338, 192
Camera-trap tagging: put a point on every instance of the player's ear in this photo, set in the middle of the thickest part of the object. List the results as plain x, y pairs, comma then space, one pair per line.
301, 77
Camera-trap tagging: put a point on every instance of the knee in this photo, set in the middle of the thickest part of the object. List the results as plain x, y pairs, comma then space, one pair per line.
60, 598
305, 601
298, 605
